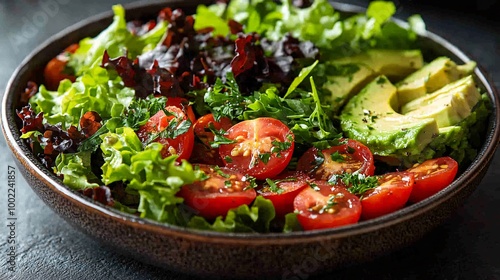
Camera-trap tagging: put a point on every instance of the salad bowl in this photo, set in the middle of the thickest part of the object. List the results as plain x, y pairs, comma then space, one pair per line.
293, 255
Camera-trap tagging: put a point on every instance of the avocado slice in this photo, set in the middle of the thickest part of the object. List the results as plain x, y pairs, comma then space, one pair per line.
394, 64
370, 118
431, 77
347, 76
347, 79
448, 105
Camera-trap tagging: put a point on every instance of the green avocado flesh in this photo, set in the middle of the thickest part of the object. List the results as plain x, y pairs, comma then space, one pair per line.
352, 73
394, 64
431, 77
448, 105
370, 118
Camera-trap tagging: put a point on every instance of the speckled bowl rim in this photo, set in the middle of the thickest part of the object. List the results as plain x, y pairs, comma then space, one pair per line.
11, 132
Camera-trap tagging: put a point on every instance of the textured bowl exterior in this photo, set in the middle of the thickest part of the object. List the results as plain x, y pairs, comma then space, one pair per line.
291, 256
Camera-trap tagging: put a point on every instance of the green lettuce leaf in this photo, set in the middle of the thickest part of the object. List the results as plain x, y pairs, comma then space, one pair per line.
76, 170
256, 218
291, 223
117, 40
155, 179
322, 24
95, 91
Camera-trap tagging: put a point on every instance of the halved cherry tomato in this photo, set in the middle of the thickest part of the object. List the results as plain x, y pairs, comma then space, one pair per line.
181, 145
431, 176
282, 190
348, 157
53, 73
224, 189
391, 194
203, 152
263, 148
202, 127
328, 206
182, 103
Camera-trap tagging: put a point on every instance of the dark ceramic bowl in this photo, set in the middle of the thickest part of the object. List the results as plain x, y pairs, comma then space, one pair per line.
236, 255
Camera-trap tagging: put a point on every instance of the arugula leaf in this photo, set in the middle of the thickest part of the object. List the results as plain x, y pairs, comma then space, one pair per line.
225, 99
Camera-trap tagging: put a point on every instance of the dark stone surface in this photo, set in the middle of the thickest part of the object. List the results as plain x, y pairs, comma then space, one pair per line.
465, 247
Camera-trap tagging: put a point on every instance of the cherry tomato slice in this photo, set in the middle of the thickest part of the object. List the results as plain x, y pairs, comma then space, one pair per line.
224, 189
202, 127
431, 176
181, 145
348, 157
263, 148
183, 104
391, 194
53, 72
282, 190
203, 152
326, 207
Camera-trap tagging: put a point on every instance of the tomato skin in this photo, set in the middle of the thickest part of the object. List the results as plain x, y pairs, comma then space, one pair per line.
211, 198
347, 209
442, 172
291, 183
201, 127
53, 72
356, 157
254, 139
183, 104
392, 194
182, 145
203, 152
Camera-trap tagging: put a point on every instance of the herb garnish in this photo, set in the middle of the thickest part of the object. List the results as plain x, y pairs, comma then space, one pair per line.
357, 183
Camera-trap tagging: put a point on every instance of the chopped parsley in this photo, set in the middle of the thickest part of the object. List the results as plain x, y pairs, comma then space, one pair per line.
337, 157
357, 183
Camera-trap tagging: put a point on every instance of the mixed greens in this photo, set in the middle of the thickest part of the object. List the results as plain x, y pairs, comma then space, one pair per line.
242, 60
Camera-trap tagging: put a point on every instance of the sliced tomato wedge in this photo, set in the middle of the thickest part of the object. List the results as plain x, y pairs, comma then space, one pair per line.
349, 157
282, 190
224, 189
263, 147
180, 137
392, 194
202, 127
53, 72
203, 152
183, 104
431, 176
325, 206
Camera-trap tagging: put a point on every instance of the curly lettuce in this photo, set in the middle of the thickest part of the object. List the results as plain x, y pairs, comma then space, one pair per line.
256, 218
320, 23
76, 170
155, 179
117, 40
96, 90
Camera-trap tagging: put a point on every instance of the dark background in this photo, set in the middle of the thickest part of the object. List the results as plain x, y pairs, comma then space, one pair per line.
466, 246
